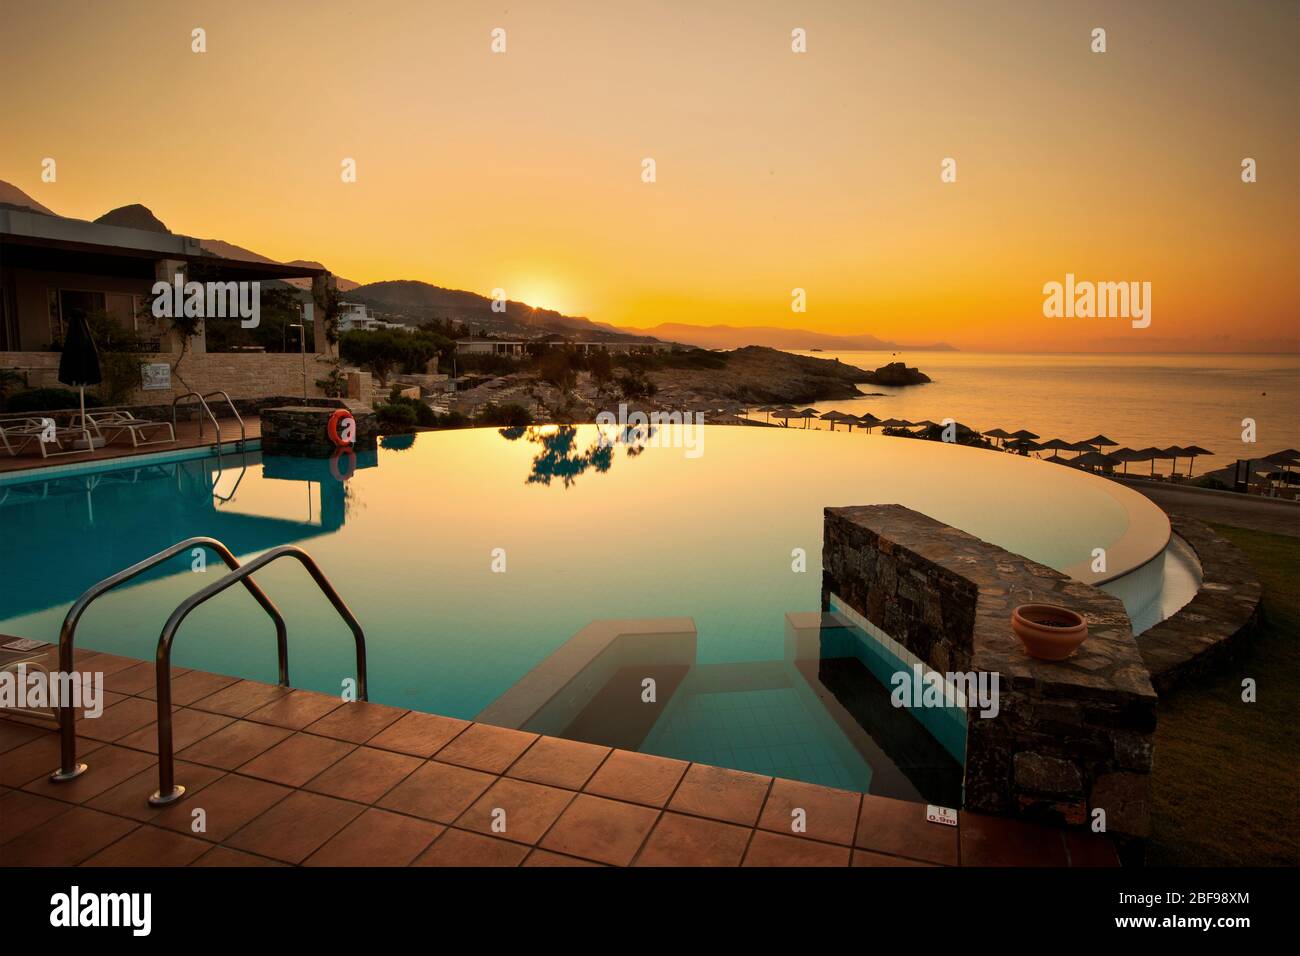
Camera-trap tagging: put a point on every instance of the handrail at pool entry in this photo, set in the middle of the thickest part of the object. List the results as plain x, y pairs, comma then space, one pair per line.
69, 768
168, 790
216, 424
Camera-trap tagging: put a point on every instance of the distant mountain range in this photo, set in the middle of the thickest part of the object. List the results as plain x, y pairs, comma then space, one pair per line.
414, 302
734, 337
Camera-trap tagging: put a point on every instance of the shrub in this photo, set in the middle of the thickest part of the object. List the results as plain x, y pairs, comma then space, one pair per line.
424, 415
509, 415
48, 400
396, 418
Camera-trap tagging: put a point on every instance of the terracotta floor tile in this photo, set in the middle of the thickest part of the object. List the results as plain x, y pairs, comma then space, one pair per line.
641, 778
721, 794
295, 827
190, 687
98, 662
112, 765
296, 760
829, 815
377, 838
122, 718
150, 846
296, 709
487, 748
777, 849
356, 722
224, 856
228, 804
899, 827
559, 763
241, 698
437, 791
867, 858
137, 678
679, 840
65, 840
234, 744
458, 848
418, 734
1089, 849
15, 735
37, 758
998, 841
547, 858
188, 727
131, 797
364, 775
607, 831
524, 810
21, 811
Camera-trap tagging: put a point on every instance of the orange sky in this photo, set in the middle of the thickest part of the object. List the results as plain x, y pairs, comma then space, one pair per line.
775, 170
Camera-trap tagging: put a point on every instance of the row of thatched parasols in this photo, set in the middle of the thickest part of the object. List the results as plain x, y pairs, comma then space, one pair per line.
1087, 453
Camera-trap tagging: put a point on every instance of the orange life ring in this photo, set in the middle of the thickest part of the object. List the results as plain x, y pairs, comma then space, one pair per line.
332, 429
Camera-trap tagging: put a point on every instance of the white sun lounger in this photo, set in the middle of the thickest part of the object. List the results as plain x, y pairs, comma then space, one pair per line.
113, 425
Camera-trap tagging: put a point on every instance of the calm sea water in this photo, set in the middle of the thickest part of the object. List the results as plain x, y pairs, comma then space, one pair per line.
1137, 400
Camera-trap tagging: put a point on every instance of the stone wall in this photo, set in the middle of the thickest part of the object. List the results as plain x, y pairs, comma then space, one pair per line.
1070, 737
300, 430
1209, 630
242, 375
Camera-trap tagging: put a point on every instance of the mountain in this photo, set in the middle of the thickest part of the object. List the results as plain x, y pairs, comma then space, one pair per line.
228, 250
11, 195
733, 337
417, 302
133, 216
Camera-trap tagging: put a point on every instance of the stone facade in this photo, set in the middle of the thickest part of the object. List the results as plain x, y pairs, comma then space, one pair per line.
300, 430
1209, 630
1070, 737
242, 375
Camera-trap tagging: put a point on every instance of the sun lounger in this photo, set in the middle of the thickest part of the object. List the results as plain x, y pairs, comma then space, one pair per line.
45, 433
111, 426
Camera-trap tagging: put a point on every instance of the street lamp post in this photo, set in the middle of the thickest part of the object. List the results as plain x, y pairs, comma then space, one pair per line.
302, 347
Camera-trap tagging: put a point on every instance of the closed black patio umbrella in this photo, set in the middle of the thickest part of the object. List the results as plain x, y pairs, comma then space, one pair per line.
79, 361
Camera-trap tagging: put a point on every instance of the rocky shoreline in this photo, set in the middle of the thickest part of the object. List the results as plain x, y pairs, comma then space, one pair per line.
745, 377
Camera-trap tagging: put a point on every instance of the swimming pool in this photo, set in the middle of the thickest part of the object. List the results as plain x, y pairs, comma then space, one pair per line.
471, 556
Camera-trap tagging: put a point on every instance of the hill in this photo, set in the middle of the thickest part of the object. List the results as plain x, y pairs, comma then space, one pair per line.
732, 337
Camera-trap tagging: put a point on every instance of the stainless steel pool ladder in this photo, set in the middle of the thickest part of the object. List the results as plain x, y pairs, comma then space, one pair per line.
168, 792
203, 401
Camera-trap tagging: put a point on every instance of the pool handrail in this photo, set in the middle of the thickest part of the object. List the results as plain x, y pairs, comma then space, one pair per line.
69, 768
168, 790
216, 424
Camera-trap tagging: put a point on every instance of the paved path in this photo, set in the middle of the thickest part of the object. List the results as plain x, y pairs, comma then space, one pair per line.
1225, 507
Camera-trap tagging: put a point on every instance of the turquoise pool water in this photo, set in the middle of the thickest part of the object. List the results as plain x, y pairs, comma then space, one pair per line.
586, 531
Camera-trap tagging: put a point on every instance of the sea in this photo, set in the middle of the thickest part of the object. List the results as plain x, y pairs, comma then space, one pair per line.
1138, 400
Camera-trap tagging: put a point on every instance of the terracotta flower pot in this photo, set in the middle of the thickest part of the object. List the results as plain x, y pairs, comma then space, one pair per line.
1048, 632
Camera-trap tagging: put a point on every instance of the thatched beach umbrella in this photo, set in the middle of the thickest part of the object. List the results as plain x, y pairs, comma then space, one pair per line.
1057, 459
1024, 435
1023, 445
1091, 459
767, 411
1125, 455
1081, 446
868, 421
1151, 454
785, 414
806, 415
1101, 441
834, 416
1175, 452
1056, 444
999, 434
895, 423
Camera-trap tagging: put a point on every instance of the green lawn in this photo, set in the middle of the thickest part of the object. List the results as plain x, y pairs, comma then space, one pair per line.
1226, 782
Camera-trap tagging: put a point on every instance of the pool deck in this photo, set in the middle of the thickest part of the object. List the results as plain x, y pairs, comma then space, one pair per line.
294, 777
187, 436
